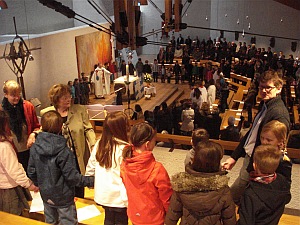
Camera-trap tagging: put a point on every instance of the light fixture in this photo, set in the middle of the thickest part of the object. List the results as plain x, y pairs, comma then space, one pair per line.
243, 34
249, 26
3, 4
206, 18
281, 20
238, 21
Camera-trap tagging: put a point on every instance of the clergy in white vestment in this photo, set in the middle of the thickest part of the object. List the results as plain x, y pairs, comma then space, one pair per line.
98, 76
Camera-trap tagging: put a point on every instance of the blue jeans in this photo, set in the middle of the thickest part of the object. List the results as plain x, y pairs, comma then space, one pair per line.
65, 216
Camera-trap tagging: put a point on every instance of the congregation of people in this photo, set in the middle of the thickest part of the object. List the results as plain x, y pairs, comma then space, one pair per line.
60, 155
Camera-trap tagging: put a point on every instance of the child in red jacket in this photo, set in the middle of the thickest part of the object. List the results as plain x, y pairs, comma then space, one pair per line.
147, 181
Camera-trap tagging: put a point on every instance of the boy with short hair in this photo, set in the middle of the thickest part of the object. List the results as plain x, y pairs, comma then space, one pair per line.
52, 168
268, 192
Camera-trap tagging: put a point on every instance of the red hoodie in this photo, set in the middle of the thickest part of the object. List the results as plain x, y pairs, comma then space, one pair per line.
148, 188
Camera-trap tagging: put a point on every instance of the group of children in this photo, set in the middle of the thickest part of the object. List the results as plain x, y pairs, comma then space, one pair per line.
129, 183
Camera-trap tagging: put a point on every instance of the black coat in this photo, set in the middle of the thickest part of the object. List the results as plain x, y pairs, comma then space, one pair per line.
276, 110
264, 203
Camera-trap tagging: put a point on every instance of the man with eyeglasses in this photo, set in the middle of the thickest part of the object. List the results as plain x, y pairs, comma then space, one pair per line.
270, 108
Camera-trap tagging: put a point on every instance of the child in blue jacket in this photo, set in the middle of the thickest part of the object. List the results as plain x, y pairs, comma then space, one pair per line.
52, 168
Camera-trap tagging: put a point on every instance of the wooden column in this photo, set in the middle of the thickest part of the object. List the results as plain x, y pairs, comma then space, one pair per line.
131, 23
168, 14
177, 15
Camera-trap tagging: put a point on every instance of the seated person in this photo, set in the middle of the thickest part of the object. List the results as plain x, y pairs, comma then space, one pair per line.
178, 52
138, 113
231, 133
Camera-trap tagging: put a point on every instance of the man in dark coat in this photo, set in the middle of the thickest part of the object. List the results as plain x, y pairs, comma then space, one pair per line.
271, 108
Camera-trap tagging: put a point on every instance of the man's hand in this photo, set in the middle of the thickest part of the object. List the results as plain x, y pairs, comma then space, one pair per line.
228, 164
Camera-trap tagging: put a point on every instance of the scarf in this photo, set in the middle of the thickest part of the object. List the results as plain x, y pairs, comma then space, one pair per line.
262, 178
16, 116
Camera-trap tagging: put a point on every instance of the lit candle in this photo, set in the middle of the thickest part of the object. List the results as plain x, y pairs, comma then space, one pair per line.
127, 73
127, 69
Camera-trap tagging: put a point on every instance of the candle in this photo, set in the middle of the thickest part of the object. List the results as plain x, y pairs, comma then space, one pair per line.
127, 77
127, 69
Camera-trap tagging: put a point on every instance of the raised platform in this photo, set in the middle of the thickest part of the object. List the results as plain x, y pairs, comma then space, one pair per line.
164, 92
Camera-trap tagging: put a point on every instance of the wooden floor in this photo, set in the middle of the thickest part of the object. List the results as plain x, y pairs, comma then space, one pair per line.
285, 219
164, 92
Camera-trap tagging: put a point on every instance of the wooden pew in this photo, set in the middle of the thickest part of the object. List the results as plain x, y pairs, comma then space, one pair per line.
296, 114
227, 145
11, 219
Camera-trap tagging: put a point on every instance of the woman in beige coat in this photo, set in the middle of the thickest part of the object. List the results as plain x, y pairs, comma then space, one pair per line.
77, 128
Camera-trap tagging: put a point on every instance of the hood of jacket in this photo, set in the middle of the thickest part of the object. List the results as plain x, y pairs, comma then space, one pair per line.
140, 166
273, 195
49, 144
193, 181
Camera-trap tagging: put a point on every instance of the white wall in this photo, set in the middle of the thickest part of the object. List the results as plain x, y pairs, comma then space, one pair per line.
55, 63
264, 17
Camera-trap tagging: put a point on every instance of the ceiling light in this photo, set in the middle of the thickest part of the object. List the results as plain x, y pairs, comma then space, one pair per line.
3, 4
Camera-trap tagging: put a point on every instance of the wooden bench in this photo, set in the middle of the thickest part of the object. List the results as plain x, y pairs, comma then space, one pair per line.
11, 219
296, 114
227, 145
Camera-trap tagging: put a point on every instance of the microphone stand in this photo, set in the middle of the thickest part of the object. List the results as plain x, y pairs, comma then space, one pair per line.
128, 111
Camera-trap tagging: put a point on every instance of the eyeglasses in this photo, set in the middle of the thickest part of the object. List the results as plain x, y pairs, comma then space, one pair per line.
267, 89
65, 98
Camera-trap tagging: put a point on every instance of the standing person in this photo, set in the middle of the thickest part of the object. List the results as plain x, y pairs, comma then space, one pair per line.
131, 68
267, 193
23, 121
203, 90
211, 92
77, 91
52, 168
106, 75
162, 73
123, 68
12, 174
77, 130
139, 67
86, 90
114, 70
271, 108
98, 81
104, 164
72, 88
155, 70
146, 180
177, 71
187, 118
147, 68
201, 193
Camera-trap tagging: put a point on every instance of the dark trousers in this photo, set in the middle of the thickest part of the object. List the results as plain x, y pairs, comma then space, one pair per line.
115, 216
23, 158
155, 76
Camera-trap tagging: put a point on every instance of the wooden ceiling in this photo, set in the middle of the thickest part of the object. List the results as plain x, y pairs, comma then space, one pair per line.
291, 3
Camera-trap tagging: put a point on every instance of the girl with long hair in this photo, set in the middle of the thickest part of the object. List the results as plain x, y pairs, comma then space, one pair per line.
104, 164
